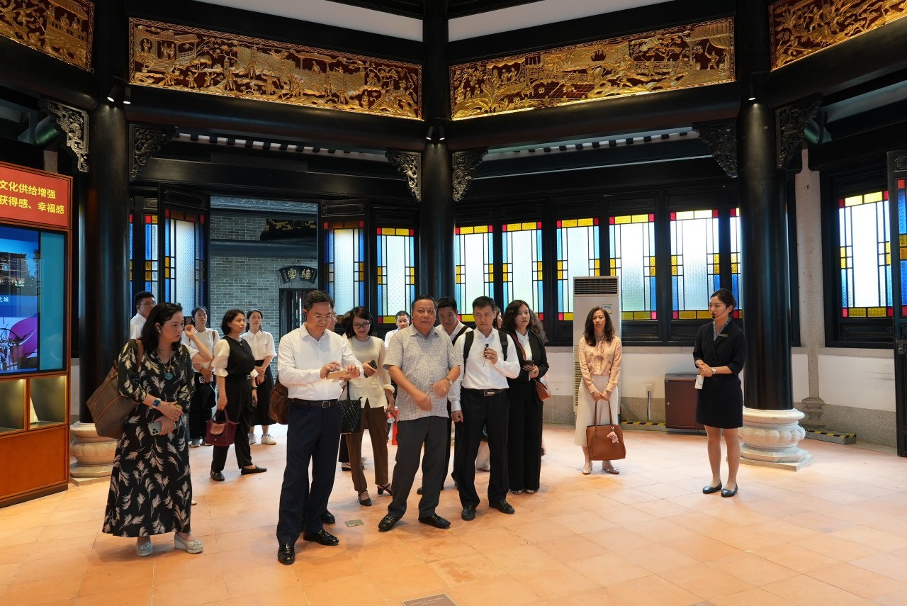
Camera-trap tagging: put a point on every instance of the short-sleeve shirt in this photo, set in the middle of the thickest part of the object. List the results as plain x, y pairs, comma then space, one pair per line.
425, 361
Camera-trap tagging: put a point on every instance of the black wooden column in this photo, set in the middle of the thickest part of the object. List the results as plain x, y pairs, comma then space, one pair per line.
104, 301
436, 215
764, 232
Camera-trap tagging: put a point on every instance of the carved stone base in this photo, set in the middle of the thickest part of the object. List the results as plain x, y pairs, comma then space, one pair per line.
813, 409
770, 439
94, 455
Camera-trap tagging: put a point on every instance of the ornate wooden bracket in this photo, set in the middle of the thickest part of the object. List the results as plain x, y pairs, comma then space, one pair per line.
722, 140
408, 164
74, 124
791, 120
144, 142
464, 164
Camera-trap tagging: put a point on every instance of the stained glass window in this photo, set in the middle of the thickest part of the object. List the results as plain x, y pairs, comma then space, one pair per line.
736, 283
132, 277
521, 253
903, 244
865, 255
694, 262
184, 257
345, 264
632, 257
152, 260
474, 260
577, 251
396, 271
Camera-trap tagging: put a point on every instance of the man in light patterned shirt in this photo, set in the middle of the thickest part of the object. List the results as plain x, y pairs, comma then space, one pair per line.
423, 365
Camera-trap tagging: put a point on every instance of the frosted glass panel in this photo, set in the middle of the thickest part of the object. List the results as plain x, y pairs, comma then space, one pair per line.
396, 271
185, 254
694, 262
577, 250
473, 263
522, 264
864, 253
632, 252
344, 249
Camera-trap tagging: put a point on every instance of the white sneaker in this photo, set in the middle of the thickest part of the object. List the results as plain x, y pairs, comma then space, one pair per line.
252, 438
484, 467
267, 439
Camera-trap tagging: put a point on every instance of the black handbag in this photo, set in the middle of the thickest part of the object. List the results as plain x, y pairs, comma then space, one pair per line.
350, 413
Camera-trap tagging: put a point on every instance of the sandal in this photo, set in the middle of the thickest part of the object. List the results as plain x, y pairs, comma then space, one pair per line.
383, 489
367, 502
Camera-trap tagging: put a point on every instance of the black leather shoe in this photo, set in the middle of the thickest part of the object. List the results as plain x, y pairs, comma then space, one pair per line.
712, 489
286, 554
730, 493
387, 523
322, 537
244, 471
419, 490
328, 517
435, 520
468, 514
217, 476
503, 507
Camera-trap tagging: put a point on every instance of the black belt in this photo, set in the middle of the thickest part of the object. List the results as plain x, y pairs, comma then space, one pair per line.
314, 403
485, 392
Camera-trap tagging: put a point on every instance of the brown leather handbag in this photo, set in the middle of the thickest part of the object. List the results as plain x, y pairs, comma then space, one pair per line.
279, 405
542, 389
109, 408
599, 444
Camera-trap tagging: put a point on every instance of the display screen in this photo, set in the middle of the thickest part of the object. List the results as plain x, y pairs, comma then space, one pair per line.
32, 300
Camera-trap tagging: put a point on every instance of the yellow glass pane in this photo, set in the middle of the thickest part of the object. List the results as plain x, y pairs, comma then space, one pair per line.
529, 226
854, 200
513, 226
715, 258
876, 196
561, 275
569, 316
684, 215
857, 312
716, 268
641, 219
611, 263
734, 257
687, 315
466, 318
703, 214
596, 265
569, 223
734, 268
481, 229
559, 265
641, 315
876, 312
903, 240
703, 315
622, 220
674, 259
674, 270
467, 230
627, 315
507, 276
585, 222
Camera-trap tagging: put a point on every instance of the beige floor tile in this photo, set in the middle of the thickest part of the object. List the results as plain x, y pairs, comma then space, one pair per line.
341, 592
755, 596
116, 597
662, 531
892, 566
63, 564
497, 590
651, 591
657, 558
584, 521
797, 558
459, 570
570, 548
896, 599
48, 589
704, 581
753, 569
864, 583
190, 590
432, 550
536, 532
870, 537
819, 521
619, 540
609, 569
556, 581
703, 548
807, 591
835, 547
399, 583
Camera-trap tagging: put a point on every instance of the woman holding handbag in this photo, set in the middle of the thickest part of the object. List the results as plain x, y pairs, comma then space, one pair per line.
525, 410
150, 486
599, 354
377, 396
234, 367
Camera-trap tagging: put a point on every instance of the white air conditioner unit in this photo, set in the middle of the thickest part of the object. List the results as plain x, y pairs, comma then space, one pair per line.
590, 292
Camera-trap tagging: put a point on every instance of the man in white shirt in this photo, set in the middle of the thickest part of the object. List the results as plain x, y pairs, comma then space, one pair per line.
480, 399
450, 326
144, 302
306, 357
403, 320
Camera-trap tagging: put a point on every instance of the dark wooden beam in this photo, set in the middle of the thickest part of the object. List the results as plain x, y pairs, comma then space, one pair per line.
230, 116
30, 70
851, 63
187, 172
619, 115
849, 150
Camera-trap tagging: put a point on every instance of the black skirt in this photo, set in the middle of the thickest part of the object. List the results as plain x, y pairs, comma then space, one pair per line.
720, 402
260, 414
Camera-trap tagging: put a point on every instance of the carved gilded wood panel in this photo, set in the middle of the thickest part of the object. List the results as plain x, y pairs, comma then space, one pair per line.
177, 57
59, 28
803, 27
680, 57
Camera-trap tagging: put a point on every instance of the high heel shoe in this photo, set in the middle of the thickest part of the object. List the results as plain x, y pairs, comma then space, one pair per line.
383, 489
367, 502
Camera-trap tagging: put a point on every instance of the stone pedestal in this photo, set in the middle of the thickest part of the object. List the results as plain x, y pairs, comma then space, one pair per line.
813, 408
94, 455
770, 439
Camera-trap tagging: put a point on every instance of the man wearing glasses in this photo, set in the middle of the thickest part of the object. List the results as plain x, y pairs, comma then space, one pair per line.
144, 302
313, 363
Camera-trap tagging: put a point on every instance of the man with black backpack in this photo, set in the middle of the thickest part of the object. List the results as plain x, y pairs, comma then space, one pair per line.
479, 398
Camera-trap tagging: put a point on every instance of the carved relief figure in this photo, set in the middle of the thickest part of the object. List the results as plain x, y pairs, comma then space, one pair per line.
59, 28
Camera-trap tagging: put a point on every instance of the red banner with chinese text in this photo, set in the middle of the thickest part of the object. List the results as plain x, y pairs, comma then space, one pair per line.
35, 196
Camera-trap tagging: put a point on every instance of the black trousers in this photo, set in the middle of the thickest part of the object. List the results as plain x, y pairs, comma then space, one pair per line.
239, 409
203, 401
491, 412
524, 437
427, 435
312, 435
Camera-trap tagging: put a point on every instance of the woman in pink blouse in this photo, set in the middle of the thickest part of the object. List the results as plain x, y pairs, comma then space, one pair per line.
600, 364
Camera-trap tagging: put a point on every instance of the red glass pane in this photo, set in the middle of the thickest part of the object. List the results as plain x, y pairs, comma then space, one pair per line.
504, 228
457, 231
841, 202
889, 311
539, 315
673, 216
900, 183
652, 217
715, 212
611, 220
675, 315
886, 195
560, 315
539, 225
653, 315
596, 221
362, 223
844, 313
558, 224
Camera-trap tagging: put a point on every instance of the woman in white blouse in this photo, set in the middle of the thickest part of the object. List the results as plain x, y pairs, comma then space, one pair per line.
262, 345
203, 399
376, 394
599, 355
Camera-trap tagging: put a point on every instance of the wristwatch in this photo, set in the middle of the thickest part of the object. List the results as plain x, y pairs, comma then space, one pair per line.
450, 382
714, 370
156, 403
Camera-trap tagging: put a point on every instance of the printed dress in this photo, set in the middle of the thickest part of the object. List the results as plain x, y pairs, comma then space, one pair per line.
150, 488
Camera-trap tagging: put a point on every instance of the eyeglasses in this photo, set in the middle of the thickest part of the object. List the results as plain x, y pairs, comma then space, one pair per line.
320, 317
150, 303
361, 324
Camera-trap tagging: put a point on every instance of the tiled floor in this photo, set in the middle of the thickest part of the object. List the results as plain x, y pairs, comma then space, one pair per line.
833, 533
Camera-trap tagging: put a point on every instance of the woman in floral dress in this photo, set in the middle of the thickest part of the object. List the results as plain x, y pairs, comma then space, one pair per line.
150, 489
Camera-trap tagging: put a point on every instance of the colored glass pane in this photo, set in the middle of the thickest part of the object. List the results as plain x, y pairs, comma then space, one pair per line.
521, 267
864, 255
903, 242
632, 257
396, 270
694, 262
474, 260
736, 282
152, 259
344, 264
577, 254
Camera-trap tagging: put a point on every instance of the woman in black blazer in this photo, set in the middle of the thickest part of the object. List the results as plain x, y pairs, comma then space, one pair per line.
525, 413
719, 356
